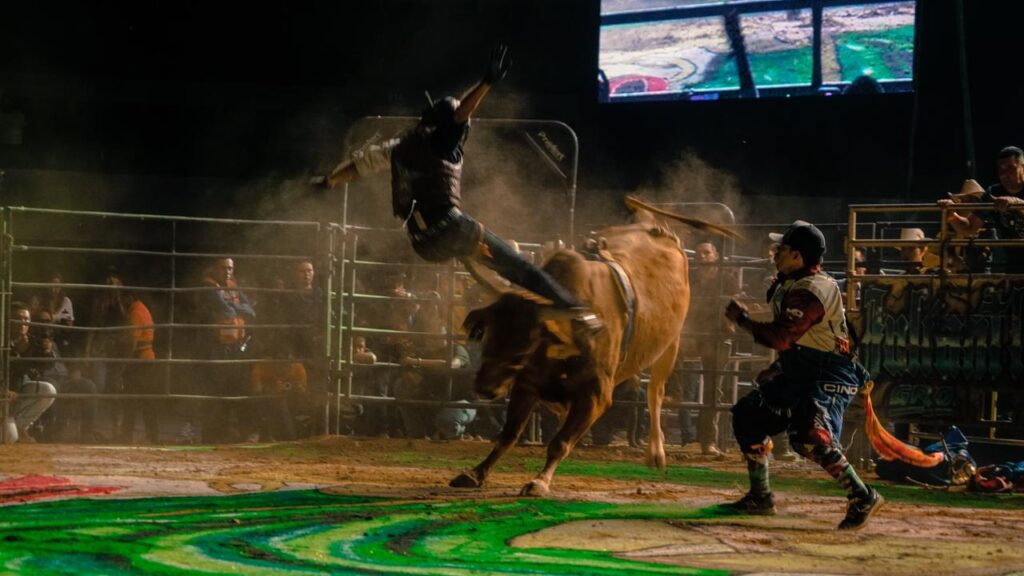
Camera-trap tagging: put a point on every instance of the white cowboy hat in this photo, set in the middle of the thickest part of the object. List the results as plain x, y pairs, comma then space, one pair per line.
912, 234
970, 191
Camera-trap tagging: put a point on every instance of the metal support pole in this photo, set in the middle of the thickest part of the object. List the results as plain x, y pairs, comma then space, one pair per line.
6, 254
851, 263
174, 284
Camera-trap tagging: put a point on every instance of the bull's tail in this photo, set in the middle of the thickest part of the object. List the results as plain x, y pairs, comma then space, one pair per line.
888, 446
635, 204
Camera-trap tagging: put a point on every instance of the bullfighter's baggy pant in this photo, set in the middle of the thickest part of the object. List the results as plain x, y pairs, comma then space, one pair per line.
806, 399
458, 235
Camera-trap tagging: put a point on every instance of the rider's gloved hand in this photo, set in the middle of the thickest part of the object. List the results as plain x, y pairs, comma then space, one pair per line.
499, 64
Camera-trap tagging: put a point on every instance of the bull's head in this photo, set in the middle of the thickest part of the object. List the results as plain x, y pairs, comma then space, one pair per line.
511, 330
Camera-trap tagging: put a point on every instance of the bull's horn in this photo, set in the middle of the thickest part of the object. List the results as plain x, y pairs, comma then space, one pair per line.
635, 203
488, 279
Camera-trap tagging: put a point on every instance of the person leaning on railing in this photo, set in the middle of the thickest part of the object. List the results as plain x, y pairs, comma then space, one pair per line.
1006, 222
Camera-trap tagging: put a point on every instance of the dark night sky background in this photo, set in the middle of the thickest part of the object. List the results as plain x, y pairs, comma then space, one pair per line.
179, 94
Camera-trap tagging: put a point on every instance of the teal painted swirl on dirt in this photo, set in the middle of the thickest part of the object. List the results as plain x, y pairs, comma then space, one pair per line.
305, 531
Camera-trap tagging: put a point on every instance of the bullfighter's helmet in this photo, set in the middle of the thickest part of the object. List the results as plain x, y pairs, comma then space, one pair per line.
806, 239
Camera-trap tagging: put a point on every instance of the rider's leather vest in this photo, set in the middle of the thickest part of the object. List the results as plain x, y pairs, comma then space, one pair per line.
419, 176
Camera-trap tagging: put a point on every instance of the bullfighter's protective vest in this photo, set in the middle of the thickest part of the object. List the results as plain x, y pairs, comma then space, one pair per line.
829, 335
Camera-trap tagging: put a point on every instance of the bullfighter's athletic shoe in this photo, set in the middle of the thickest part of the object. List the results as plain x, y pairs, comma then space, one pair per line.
751, 503
859, 509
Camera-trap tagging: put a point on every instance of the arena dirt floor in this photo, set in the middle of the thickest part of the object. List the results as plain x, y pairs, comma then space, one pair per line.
381, 506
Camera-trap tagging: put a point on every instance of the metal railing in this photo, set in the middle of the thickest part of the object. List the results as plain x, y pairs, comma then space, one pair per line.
950, 293
29, 232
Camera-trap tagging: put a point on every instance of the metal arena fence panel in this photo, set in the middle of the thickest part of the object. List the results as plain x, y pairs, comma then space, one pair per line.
941, 333
356, 299
162, 261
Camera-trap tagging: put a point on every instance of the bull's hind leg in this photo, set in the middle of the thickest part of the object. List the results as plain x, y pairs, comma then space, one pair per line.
520, 405
583, 412
660, 371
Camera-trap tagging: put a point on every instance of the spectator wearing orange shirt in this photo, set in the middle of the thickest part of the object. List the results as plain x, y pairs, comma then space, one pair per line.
229, 307
141, 376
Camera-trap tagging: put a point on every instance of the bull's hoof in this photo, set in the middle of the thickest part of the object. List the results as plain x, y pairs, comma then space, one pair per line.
467, 479
535, 488
656, 461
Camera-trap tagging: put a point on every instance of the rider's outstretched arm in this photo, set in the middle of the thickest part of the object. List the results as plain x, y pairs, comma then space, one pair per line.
497, 68
370, 160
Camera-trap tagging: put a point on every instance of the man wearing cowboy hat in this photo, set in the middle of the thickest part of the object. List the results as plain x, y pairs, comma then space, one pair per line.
919, 259
1007, 222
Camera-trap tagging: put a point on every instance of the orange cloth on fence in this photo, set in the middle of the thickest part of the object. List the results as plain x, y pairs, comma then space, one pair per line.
888, 446
142, 335
278, 377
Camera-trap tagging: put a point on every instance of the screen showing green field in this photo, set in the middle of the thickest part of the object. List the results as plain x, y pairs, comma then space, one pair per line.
707, 50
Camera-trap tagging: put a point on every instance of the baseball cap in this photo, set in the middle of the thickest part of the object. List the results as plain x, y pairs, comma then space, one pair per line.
805, 238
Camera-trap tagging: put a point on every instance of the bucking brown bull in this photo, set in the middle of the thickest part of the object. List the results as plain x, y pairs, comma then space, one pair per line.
636, 279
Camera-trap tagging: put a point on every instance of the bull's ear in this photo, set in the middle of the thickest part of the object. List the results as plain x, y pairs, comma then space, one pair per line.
476, 322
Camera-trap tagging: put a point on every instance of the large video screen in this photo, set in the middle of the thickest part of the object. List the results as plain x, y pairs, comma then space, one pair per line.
714, 49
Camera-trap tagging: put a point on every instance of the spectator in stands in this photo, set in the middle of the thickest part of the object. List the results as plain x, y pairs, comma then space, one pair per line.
917, 259
55, 421
397, 314
24, 376
1008, 197
863, 85
973, 258
859, 269
305, 307
288, 382
59, 305
1007, 222
860, 265
141, 376
292, 414
361, 354
620, 416
708, 281
223, 304
428, 380
109, 310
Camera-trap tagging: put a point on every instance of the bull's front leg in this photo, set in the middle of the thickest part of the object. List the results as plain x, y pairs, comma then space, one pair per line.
520, 405
583, 412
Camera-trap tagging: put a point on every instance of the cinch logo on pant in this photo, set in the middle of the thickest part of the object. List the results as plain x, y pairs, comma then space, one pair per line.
839, 388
